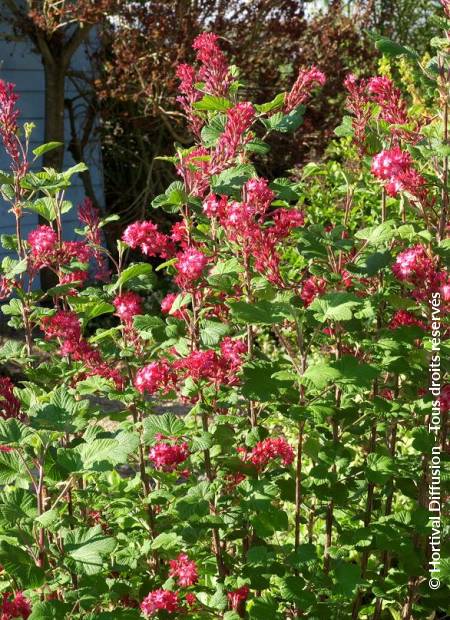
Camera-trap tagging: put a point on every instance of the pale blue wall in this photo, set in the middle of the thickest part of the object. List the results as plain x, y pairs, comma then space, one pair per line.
21, 66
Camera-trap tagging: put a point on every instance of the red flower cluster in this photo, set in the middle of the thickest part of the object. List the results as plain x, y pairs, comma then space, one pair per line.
90, 216
237, 597
301, 90
9, 128
167, 454
146, 236
42, 240
127, 306
9, 403
190, 266
403, 318
357, 103
218, 369
18, 607
413, 265
392, 106
193, 168
312, 288
154, 377
66, 327
270, 449
185, 570
214, 71
396, 167
239, 121
160, 600
47, 250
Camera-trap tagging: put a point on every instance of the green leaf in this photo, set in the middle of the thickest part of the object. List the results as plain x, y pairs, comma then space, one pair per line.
167, 424
44, 207
148, 326
80, 167
258, 382
50, 610
90, 309
392, 49
335, 307
45, 148
379, 468
212, 332
169, 541
319, 375
131, 272
262, 312
354, 371
377, 235
213, 104
21, 566
270, 106
286, 123
13, 432
47, 518
230, 181
86, 548
345, 128
210, 133
347, 578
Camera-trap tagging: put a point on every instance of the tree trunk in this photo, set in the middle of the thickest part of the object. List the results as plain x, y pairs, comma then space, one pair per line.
54, 113
54, 75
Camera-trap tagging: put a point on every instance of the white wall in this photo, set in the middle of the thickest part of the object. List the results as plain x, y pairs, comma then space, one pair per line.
21, 66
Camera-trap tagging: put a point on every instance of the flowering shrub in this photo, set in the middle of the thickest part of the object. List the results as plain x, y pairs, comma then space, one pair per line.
294, 484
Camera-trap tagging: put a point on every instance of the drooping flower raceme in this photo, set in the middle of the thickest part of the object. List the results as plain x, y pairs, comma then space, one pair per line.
301, 90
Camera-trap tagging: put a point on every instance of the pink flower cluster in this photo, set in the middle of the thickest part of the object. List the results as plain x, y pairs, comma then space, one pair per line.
380, 90
234, 136
301, 90
90, 216
46, 250
184, 570
396, 168
312, 288
65, 326
146, 236
270, 449
403, 318
194, 167
128, 305
357, 103
9, 403
159, 600
237, 597
246, 224
18, 607
392, 106
218, 369
155, 377
416, 267
190, 266
413, 265
168, 453
9, 115
213, 72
